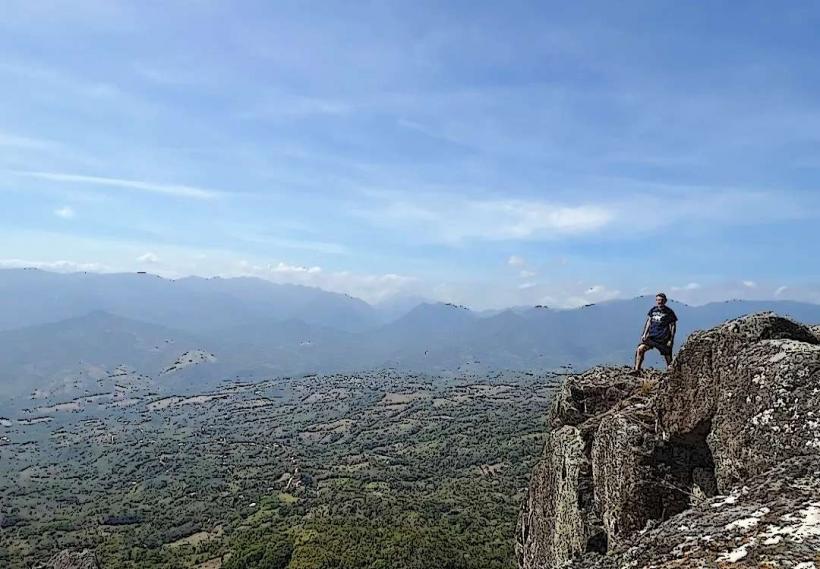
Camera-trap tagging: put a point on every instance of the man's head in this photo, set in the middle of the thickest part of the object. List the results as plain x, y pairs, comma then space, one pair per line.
660, 299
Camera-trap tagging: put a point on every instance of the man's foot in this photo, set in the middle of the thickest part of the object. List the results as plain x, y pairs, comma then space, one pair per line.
635, 372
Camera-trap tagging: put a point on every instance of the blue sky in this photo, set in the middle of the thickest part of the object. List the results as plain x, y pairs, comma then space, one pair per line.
484, 153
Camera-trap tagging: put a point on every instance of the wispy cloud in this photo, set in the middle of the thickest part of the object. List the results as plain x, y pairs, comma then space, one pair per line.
370, 287
292, 243
571, 295
25, 142
65, 212
148, 258
457, 219
286, 106
688, 286
176, 190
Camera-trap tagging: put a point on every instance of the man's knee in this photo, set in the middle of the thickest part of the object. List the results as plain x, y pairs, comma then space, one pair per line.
643, 348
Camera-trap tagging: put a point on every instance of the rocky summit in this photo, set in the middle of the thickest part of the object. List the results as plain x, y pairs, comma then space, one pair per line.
715, 463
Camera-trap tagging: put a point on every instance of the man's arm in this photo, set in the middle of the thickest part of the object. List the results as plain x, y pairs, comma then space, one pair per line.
645, 329
672, 329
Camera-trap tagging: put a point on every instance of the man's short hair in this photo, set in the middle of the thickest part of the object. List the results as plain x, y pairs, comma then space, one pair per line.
662, 295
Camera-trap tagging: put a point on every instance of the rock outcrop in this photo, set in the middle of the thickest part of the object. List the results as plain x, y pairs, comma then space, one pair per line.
715, 462
560, 519
753, 382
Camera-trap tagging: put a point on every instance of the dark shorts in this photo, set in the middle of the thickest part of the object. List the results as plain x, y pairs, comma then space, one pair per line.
662, 346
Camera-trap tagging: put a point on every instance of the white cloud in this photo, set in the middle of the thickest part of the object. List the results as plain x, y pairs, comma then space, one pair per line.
66, 212
453, 220
148, 258
369, 287
278, 106
750, 284
780, 290
516, 261
177, 190
527, 219
524, 286
303, 244
525, 274
429, 215
592, 294
285, 269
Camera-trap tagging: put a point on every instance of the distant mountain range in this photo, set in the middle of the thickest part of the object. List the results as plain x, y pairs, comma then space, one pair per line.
32, 296
61, 334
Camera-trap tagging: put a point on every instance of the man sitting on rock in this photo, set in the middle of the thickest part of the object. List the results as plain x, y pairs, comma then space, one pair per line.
658, 332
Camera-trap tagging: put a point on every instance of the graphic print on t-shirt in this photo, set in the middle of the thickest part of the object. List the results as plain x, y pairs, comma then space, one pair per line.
660, 319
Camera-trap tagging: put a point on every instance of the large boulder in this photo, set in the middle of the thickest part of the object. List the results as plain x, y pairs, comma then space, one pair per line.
559, 519
554, 525
772, 521
591, 393
636, 476
751, 385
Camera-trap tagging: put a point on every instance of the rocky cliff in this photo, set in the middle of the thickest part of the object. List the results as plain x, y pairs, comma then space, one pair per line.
715, 463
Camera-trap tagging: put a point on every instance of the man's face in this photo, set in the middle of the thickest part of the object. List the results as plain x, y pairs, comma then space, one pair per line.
660, 301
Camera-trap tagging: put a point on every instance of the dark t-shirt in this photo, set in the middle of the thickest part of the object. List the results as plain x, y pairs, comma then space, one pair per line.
660, 319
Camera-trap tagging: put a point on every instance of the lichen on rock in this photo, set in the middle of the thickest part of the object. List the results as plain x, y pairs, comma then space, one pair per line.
755, 381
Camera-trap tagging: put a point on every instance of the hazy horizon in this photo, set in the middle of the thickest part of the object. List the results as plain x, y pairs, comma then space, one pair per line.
412, 299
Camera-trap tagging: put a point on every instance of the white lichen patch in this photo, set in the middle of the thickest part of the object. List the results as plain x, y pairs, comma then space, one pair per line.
748, 523
163, 403
763, 418
728, 500
804, 524
778, 357
735, 555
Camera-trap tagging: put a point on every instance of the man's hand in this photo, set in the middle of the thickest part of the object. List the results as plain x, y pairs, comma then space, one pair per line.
670, 342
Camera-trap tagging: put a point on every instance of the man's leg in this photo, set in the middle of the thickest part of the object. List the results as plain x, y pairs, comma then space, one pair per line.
639, 355
668, 358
